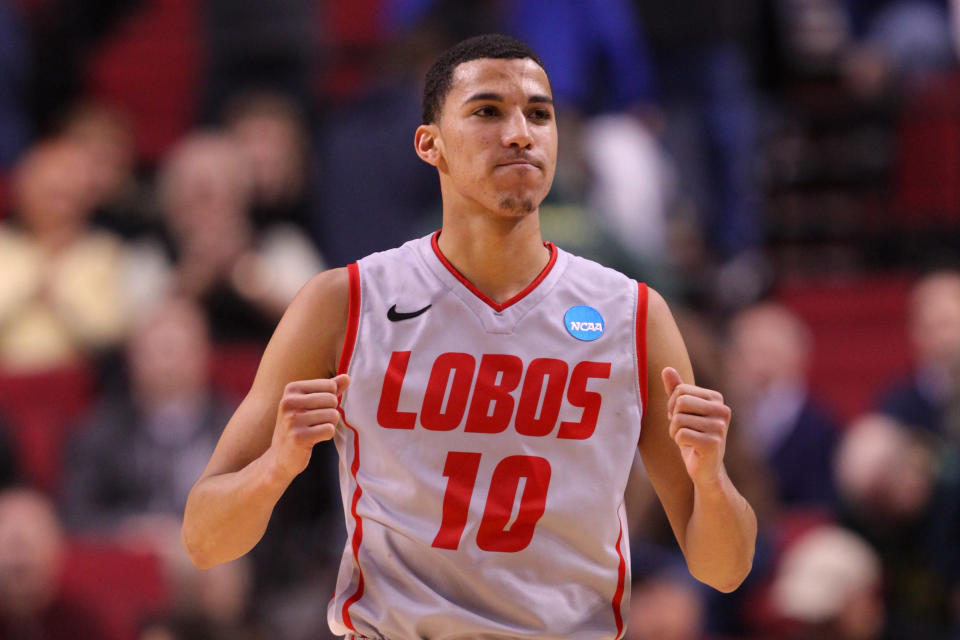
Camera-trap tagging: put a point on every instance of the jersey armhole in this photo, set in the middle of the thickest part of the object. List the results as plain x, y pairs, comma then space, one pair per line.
641, 344
353, 318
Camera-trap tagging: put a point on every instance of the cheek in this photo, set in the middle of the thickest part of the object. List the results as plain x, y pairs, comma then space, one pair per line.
467, 159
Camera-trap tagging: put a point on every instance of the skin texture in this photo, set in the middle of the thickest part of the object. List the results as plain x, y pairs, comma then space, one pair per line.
494, 147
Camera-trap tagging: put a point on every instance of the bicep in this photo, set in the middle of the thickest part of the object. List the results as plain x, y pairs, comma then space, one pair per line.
304, 346
660, 454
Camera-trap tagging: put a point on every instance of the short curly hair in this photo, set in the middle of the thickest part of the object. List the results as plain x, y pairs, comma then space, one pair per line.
440, 76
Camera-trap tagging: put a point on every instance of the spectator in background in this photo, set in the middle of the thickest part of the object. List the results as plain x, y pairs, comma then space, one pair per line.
140, 451
922, 399
105, 135
62, 294
827, 587
31, 558
906, 505
874, 46
270, 131
130, 467
910, 38
242, 278
766, 363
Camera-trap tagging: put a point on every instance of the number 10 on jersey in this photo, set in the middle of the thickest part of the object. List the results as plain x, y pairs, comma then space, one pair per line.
496, 533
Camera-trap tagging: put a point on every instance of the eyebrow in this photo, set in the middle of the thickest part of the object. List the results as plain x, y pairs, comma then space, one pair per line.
496, 97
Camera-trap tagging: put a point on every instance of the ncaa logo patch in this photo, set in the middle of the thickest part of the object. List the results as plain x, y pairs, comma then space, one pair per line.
583, 322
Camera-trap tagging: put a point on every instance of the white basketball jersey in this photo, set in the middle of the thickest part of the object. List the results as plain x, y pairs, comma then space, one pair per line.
484, 450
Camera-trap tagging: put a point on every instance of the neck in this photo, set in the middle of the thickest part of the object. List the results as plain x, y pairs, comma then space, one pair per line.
500, 255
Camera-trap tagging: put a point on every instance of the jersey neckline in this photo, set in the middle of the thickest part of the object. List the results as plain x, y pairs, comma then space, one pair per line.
490, 302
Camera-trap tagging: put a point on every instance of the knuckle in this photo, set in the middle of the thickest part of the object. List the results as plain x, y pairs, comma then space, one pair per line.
300, 437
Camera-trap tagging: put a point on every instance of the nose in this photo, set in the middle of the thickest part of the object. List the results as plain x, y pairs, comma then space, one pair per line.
517, 131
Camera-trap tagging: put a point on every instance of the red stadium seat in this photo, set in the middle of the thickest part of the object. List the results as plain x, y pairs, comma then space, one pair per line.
354, 34
120, 586
40, 409
859, 329
927, 176
151, 69
233, 367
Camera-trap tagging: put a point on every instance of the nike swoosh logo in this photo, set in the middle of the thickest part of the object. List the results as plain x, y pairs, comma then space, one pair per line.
396, 316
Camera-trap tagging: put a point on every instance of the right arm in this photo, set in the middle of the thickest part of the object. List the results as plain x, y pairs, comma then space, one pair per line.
291, 406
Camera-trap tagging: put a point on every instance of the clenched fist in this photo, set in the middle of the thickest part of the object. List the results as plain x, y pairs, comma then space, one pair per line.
308, 414
699, 421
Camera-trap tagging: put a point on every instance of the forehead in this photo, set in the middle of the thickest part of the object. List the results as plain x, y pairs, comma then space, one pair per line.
502, 76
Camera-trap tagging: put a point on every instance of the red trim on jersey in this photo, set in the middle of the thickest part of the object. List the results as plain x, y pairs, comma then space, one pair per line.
642, 299
621, 579
349, 342
497, 306
358, 523
353, 318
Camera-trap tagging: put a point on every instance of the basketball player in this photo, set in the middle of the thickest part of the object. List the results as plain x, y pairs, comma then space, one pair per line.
485, 391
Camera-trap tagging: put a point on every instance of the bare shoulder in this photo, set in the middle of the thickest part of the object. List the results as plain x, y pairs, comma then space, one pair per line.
309, 337
660, 321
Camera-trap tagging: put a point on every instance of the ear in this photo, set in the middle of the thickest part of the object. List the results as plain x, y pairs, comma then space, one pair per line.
427, 143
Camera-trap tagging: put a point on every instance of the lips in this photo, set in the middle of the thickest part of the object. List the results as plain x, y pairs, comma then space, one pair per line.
522, 162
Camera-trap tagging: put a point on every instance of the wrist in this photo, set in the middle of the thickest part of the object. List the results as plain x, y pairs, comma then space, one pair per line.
274, 474
713, 484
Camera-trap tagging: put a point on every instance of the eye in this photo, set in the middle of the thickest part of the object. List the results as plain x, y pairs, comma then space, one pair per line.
542, 115
486, 111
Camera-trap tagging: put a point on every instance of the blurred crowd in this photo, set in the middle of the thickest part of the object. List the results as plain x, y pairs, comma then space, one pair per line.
172, 171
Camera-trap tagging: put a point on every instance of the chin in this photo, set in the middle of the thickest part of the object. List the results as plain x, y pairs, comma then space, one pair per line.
518, 205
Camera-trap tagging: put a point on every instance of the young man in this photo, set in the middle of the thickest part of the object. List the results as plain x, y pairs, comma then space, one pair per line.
485, 391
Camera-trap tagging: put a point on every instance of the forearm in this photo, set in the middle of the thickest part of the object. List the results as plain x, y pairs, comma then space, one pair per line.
720, 536
227, 514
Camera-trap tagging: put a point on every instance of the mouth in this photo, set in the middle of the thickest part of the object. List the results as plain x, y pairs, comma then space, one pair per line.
520, 162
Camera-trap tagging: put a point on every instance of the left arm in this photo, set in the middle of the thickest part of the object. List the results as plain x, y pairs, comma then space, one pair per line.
682, 445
